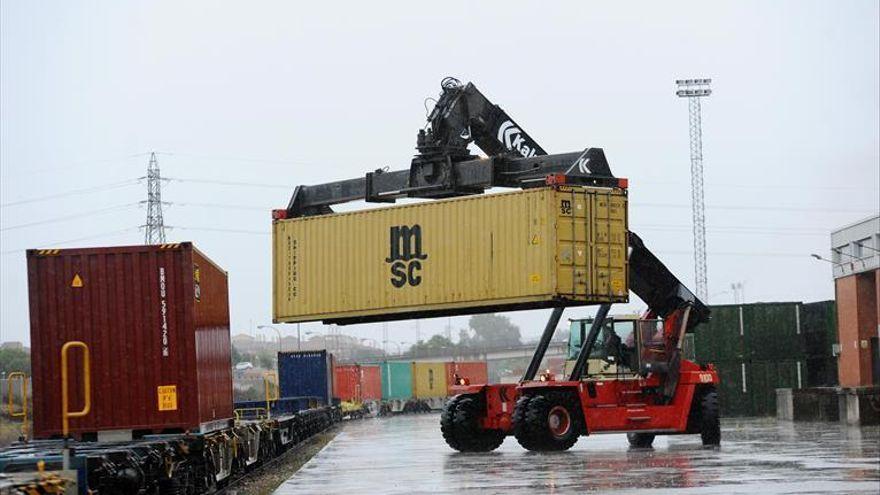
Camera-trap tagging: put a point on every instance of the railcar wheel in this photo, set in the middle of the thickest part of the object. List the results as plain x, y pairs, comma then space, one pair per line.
552, 422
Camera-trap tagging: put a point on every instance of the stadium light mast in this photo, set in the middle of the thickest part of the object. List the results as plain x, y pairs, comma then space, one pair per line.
694, 90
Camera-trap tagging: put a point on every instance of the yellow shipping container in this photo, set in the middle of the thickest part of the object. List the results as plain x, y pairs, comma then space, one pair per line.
528, 249
429, 380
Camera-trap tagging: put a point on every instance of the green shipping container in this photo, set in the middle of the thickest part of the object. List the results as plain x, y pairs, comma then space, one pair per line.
734, 401
772, 331
720, 338
397, 382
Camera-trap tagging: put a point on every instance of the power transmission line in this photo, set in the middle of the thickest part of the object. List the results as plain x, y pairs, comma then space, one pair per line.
71, 217
230, 183
68, 241
102, 187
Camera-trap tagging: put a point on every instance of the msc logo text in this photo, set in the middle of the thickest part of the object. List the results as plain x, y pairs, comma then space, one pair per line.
406, 255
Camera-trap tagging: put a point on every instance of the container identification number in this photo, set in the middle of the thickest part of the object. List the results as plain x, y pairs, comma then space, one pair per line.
163, 309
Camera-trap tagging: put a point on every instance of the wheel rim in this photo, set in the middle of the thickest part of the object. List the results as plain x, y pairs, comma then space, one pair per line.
559, 421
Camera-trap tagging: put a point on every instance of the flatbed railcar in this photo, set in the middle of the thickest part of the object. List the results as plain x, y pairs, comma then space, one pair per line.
172, 464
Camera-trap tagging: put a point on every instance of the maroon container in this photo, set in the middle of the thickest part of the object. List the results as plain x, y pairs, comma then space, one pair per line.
156, 320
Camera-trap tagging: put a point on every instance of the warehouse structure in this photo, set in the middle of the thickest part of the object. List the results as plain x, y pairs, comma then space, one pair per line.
855, 252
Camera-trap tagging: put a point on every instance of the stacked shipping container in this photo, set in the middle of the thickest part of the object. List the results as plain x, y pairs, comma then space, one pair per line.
764, 346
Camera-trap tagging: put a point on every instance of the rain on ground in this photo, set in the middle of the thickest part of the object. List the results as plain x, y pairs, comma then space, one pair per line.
405, 454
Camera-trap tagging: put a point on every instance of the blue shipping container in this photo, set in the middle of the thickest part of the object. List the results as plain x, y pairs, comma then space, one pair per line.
306, 374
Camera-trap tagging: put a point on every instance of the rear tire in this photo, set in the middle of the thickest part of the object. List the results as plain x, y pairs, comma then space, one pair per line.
553, 422
640, 440
710, 418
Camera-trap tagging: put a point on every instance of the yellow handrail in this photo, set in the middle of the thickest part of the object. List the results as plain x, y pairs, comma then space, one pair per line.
270, 383
260, 412
24, 400
87, 385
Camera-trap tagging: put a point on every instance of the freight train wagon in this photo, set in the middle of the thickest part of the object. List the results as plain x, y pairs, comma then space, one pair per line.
151, 355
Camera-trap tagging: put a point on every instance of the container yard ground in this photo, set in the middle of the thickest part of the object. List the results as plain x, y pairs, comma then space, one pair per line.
405, 454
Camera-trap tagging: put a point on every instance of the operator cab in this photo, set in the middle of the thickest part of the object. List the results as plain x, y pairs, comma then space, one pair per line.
627, 347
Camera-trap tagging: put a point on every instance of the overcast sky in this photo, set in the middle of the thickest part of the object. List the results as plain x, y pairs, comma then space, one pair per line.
279, 94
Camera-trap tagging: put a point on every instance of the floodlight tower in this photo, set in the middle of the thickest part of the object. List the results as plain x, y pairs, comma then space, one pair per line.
694, 90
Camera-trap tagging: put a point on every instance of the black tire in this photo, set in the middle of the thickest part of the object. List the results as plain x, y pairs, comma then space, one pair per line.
710, 418
470, 435
459, 423
553, 422
640, 440
447, 426
520, 428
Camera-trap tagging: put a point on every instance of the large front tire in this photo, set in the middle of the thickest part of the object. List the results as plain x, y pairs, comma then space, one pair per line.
552, 422
460, 424
447, 426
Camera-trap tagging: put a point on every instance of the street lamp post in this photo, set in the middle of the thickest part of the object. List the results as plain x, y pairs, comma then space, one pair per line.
276, 331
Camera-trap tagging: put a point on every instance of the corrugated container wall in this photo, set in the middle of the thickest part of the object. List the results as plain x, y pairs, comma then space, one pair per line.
156, 320
371, 382
429, 380
760, 347
397, 380
527, 249
475, 371
347, 383
306, 374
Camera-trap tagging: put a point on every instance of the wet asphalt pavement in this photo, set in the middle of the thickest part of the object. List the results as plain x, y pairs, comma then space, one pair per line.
406, 454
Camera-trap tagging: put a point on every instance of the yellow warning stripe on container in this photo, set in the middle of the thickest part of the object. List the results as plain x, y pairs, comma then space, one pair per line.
48, 252
169, 246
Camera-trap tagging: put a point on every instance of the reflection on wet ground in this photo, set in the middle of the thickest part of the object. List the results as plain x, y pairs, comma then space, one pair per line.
406, 454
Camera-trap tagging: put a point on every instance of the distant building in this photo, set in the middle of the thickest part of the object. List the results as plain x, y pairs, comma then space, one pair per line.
855, 252
12, 345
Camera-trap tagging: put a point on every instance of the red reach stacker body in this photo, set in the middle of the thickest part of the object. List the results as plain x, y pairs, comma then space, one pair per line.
634, 383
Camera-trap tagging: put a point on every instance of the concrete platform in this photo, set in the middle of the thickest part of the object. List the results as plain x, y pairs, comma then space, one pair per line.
405, 454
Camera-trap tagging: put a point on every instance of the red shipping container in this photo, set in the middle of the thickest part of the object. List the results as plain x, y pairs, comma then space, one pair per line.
371, 383
475, 371
156, 320
347, 383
